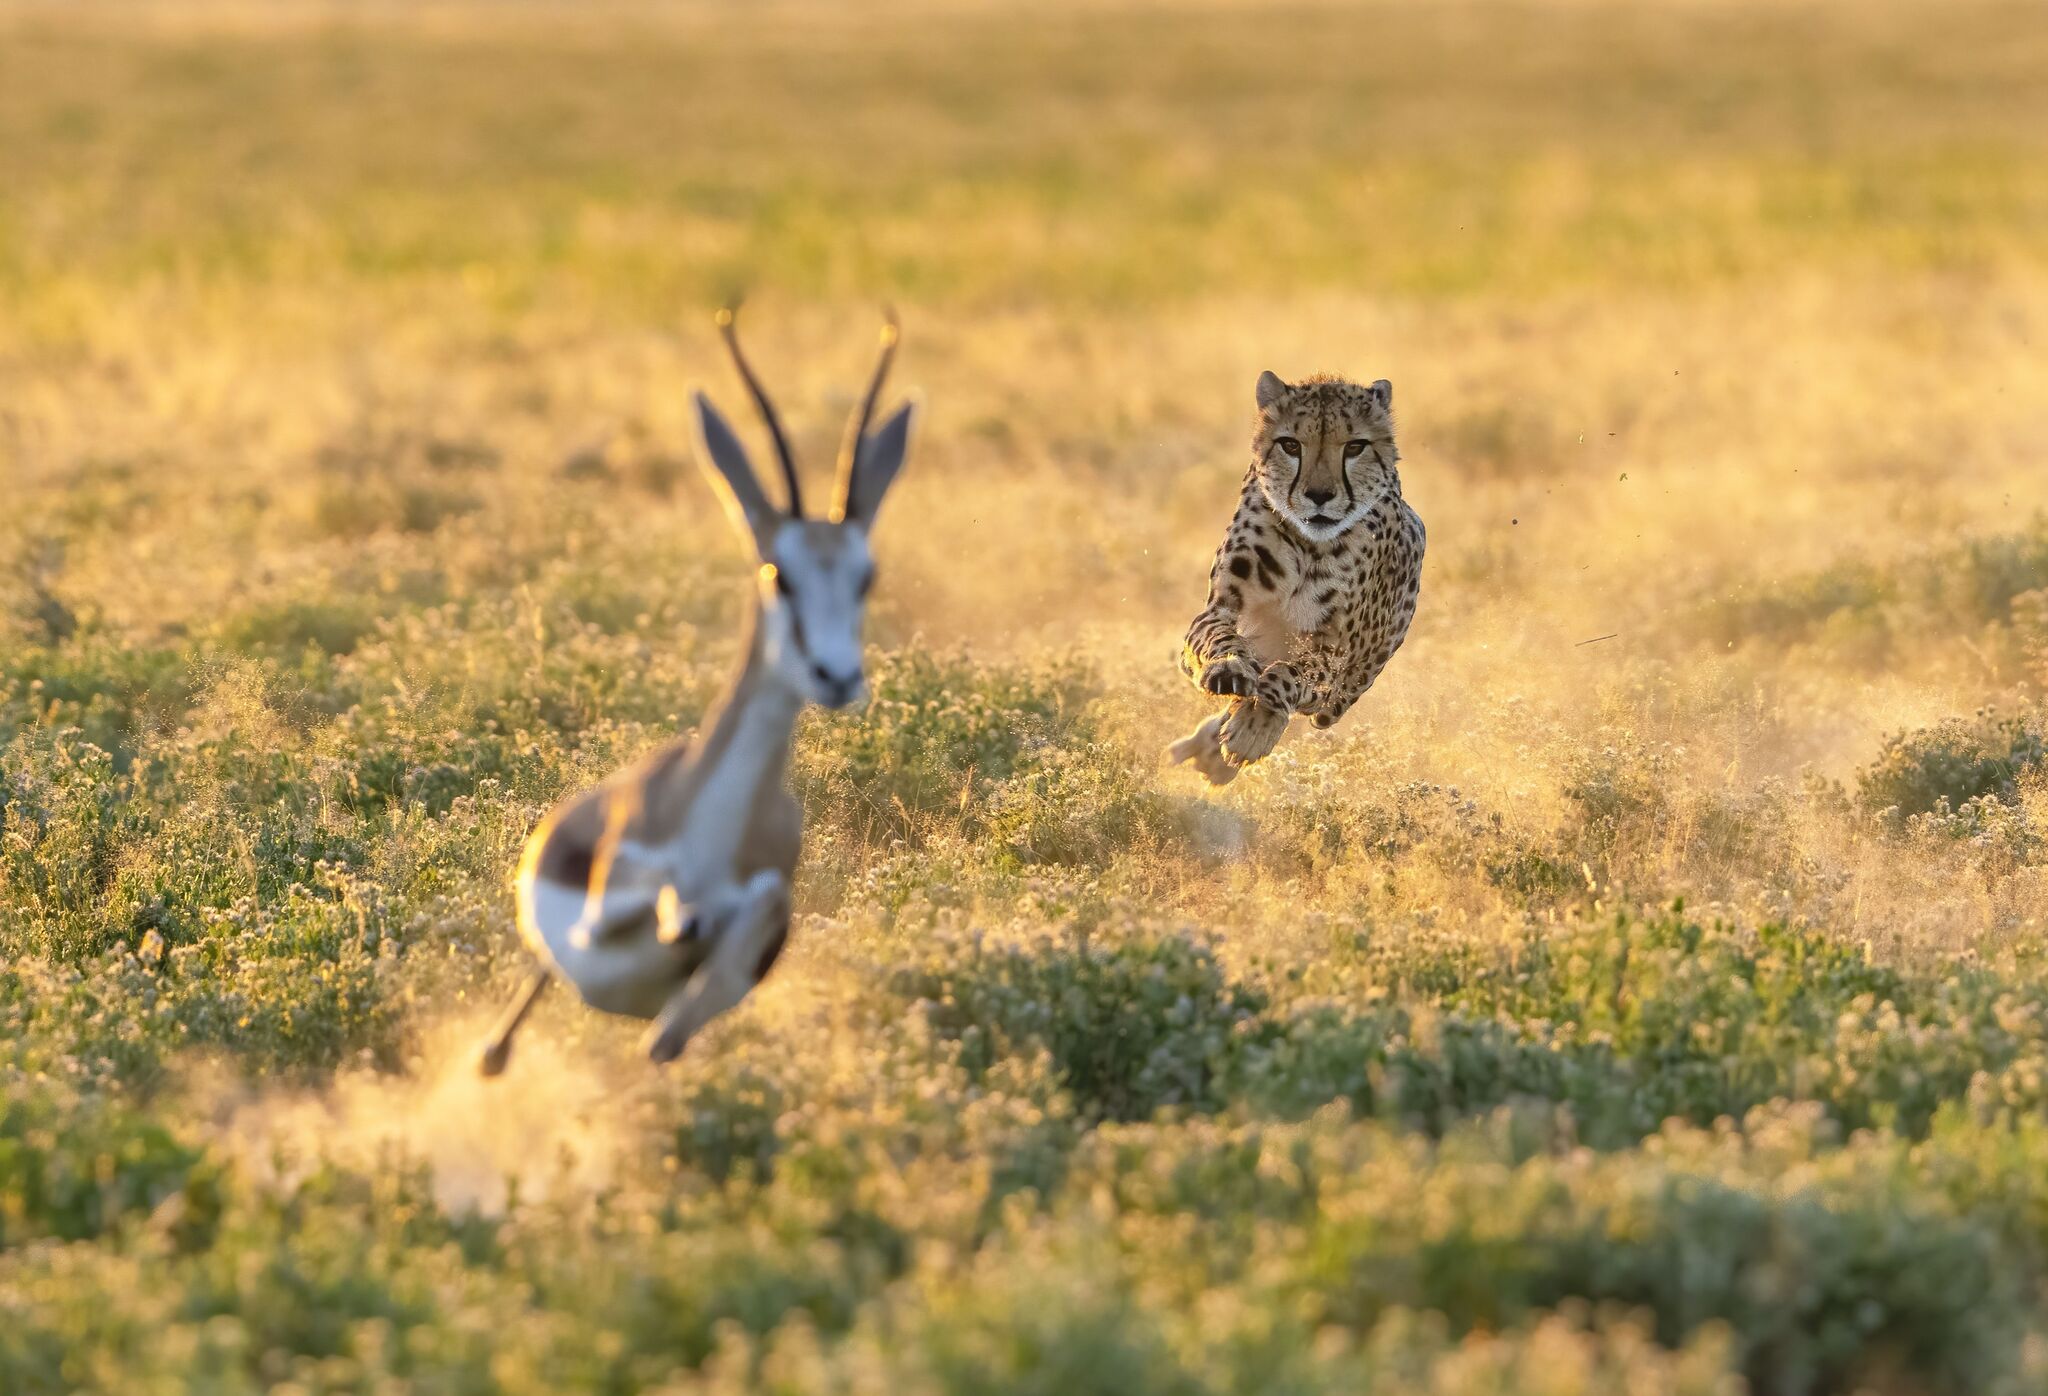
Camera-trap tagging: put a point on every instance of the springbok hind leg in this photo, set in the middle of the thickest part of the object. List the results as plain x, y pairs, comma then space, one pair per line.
730, 972
498, 1046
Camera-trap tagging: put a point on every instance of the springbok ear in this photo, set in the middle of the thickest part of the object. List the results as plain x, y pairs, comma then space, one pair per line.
1382, 393
882, 453
1270, 389
732, 476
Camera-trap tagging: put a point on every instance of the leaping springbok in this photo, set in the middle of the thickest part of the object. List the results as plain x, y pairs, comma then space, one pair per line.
664, 893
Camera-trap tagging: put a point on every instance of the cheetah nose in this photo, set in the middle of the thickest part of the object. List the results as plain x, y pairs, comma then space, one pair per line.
1320, 497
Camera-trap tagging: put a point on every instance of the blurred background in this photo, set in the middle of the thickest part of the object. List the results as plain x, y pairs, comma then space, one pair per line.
1714, 329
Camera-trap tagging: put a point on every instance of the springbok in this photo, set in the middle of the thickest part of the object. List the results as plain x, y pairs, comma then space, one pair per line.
664, 893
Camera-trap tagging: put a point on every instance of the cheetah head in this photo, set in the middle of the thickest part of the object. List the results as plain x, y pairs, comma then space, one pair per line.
1325, 451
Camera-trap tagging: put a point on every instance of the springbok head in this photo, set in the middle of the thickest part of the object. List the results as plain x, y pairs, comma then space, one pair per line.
815, 573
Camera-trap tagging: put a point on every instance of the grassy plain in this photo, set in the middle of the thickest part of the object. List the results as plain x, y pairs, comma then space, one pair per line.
1645, 989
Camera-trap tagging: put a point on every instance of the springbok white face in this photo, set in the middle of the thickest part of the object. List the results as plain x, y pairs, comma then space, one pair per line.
815, 574
814, 595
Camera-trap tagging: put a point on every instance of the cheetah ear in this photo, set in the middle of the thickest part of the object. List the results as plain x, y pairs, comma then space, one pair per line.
1270, 388
1382, 393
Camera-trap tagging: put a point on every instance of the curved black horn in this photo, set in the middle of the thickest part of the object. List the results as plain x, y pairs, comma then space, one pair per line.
857, 426
767, 410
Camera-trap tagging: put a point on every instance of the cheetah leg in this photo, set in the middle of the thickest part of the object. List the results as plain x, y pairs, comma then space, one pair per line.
1203, 748
1250, 731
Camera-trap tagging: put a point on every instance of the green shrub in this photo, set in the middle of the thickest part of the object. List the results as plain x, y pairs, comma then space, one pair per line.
1133, 1022
112, 692
327, 624
1866, 612
1798, 607
1817, 1290
939, 735
1078, 807
1954, 762
1987, 575
1637, 1019
1820, 1281
74, 1164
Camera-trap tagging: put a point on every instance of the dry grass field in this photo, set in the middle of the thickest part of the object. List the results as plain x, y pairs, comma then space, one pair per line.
1645, 989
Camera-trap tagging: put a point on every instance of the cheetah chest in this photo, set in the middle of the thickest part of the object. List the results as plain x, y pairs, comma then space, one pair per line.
1275, 622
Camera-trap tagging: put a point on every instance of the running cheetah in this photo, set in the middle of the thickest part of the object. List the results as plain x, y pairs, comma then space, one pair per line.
1316, 581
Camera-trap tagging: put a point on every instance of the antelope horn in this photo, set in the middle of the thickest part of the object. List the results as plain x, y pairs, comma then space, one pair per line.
767, 410
857, 426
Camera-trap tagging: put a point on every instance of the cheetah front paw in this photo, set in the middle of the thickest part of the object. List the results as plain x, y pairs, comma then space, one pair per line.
1250, 732
1233, 677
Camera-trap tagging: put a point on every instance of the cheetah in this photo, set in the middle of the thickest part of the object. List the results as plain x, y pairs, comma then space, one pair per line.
1317, 579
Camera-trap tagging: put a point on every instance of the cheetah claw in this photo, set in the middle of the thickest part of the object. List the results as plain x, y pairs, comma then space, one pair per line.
1231, 678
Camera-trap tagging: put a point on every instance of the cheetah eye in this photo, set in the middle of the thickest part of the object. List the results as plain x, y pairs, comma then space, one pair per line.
1353, 450
1290, 446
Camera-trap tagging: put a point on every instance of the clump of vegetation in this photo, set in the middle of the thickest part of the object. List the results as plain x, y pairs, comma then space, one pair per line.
1132, 1025
1952, 763
1013, 757
75, 1163
112, 693
939, 735
1869, 612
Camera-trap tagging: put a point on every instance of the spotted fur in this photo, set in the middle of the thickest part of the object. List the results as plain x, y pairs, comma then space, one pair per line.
1317, 579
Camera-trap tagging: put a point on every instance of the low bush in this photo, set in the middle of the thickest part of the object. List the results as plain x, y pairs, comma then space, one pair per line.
1953, 762
1132, 1023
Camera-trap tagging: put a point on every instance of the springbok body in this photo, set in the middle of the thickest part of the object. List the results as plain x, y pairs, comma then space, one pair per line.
664, 893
